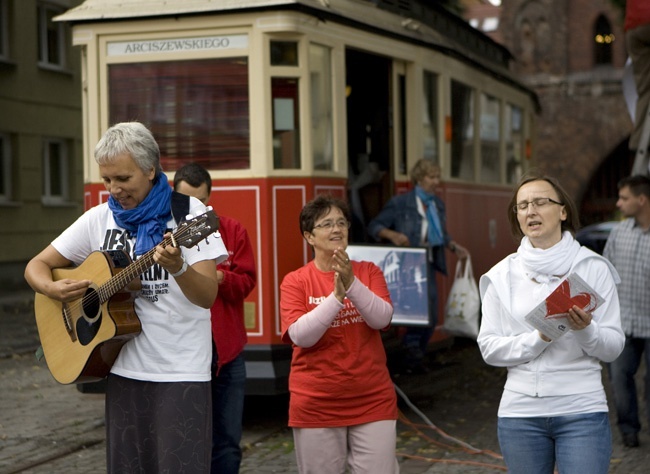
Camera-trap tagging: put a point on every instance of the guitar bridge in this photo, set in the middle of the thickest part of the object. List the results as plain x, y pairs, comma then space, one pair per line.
67, 321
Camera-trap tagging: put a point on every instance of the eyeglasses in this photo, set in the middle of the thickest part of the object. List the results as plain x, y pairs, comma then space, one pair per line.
329, 225
522, 207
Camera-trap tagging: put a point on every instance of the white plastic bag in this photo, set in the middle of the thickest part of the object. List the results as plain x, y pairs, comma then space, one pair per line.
463, 307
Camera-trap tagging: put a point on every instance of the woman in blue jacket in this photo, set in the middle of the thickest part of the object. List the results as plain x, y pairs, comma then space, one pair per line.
415, 219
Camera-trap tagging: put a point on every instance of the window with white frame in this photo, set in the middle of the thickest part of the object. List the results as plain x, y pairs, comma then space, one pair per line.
55, 171
5, 168
4, 30
285, 97
198, 109
431, 101
320, 71
285, 106
490, 136
462, 131
514, 138
51, 37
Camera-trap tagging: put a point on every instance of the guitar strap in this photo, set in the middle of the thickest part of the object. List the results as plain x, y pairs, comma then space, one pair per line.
180, 206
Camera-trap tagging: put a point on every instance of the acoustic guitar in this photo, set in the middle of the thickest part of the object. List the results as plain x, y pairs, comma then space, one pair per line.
82, 338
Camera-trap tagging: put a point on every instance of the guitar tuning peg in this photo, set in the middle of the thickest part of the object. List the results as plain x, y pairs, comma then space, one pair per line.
209, 208
189, 217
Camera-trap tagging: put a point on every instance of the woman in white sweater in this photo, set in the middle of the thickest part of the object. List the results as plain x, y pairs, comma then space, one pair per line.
553, 409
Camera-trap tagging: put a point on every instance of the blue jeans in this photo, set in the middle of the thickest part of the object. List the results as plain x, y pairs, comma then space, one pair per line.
227, 411
621, 374
577, 443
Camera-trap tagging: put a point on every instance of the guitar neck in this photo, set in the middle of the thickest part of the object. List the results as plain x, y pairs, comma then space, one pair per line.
187, 234
128, 274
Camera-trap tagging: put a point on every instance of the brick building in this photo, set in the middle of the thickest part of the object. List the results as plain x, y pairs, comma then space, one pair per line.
572, 53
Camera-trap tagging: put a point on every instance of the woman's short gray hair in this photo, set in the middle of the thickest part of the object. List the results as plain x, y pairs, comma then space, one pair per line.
131, 138
422, 168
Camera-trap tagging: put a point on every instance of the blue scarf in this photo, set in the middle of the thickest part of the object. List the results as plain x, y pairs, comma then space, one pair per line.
434, 228
148, 220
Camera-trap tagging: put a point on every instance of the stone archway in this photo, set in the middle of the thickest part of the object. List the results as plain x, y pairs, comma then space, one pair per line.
599, 197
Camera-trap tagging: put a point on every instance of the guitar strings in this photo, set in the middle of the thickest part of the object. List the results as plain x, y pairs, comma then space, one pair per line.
118, 281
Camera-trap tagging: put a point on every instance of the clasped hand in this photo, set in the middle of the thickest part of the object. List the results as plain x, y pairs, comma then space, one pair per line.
343, 274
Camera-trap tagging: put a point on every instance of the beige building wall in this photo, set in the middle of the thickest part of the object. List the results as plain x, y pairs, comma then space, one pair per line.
38, 101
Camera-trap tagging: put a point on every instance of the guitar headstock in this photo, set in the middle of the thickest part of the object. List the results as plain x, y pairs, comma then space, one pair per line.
195, 228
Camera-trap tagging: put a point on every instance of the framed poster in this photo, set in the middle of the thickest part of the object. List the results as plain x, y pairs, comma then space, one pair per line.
406, 273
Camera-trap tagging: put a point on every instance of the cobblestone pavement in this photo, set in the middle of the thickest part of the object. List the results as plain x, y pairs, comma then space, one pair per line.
448, 422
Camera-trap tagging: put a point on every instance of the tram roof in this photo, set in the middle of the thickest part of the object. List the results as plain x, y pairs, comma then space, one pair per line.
417, 21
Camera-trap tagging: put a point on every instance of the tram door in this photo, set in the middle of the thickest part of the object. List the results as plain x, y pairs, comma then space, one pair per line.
370, 181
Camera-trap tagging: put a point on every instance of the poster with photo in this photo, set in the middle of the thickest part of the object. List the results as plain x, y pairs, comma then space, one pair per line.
405, 270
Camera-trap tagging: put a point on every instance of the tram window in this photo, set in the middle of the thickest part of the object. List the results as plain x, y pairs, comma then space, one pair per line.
51, 37
401, 123
490, 131
514, 143
462, 131
284, 53
320, 69
430, 116
198, 110
286, 130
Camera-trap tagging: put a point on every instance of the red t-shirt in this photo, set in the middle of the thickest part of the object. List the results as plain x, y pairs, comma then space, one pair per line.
342, 380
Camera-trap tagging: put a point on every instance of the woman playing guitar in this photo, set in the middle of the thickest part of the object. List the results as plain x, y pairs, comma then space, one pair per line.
158, 389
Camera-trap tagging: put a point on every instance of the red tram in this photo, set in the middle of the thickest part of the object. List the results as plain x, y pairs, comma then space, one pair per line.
286, 99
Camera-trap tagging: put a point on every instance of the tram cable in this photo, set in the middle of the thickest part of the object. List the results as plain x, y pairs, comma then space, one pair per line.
428, 424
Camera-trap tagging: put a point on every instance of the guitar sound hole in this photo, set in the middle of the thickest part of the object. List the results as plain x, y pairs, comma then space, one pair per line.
90, 303
90, 322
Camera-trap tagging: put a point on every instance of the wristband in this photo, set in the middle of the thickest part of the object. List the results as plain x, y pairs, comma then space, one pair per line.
181, 271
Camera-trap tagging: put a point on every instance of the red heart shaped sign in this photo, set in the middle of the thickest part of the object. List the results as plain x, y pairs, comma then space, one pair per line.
560, 301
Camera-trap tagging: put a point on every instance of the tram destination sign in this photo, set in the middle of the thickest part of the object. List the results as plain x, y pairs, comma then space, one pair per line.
174, 45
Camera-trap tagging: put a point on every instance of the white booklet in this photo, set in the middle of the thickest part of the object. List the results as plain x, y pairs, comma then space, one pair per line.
551, 316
